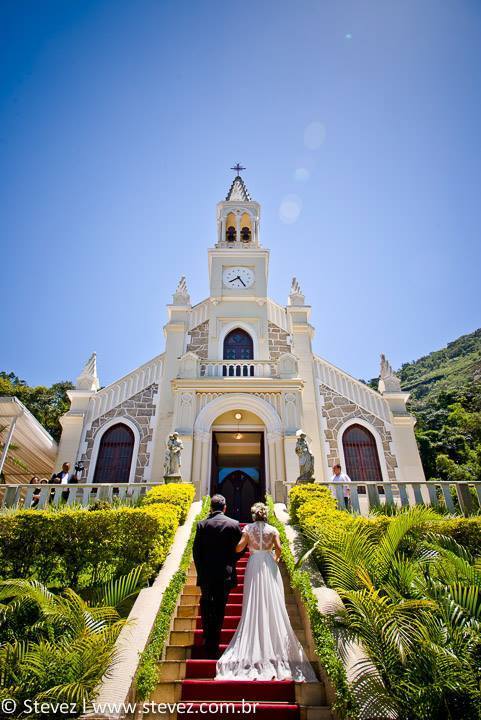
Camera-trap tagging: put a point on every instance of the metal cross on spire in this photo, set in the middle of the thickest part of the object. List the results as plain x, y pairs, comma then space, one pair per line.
238, 168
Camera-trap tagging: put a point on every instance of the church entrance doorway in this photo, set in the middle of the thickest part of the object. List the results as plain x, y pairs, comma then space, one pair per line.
238, 471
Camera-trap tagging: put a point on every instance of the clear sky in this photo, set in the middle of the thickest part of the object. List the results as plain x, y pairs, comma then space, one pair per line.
358, 121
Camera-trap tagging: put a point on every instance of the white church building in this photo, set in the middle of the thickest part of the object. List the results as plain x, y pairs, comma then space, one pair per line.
237, 380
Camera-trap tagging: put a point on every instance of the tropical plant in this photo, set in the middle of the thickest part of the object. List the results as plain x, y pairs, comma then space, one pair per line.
412, 599
57, 647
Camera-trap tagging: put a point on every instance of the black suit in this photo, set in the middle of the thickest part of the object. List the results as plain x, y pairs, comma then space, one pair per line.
56, 479
215, 560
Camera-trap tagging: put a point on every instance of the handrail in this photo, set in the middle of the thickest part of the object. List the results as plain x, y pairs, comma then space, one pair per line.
361, 497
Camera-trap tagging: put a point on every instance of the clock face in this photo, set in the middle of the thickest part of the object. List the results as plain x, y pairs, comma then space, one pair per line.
238, 277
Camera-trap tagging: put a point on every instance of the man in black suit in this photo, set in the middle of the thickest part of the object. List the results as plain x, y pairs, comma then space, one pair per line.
62, 478
215, 561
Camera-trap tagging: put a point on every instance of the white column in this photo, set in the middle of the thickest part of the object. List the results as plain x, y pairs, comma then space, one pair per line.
200, 464
238, 219
6, 447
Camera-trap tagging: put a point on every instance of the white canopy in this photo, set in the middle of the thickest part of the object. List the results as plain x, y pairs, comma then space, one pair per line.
26, 441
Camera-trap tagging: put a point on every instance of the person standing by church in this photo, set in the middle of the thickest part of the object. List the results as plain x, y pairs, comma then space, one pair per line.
62, 478
340, 477
215, 560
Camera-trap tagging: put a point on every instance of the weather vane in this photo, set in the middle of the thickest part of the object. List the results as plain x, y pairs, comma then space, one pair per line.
238, 168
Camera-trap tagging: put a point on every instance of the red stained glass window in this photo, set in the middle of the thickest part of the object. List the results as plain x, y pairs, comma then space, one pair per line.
360, 452
115, 455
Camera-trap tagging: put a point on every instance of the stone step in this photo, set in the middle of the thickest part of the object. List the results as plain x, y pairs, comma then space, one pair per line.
261, 690
177, 653
316, 712
262, 711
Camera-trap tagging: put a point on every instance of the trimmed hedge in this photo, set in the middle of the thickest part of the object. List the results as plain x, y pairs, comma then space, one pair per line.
73, 548
312, 510
301, 494
147, 672
323, 638
179, 494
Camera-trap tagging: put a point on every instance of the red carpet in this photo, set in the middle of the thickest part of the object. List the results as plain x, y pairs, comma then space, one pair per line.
276, 698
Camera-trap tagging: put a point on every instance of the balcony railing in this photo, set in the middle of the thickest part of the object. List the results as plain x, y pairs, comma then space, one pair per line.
452, 498
236, 368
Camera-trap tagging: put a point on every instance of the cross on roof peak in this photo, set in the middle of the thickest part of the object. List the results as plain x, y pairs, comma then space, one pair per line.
238, 168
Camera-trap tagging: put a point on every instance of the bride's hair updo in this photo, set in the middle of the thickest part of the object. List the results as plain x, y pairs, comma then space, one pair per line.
259, 512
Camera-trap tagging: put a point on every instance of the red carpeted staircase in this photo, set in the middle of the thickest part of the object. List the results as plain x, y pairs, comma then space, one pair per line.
187, 676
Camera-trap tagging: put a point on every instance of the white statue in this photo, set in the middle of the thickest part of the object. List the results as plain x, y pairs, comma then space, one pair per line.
172, 458
306, 459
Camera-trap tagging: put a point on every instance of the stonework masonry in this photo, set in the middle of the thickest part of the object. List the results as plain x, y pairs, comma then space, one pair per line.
337, 409
139, 409
278, 341
199, 340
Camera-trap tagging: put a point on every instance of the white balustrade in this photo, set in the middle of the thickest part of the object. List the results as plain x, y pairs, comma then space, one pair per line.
236, 368
126, 387
363, 497
352, 389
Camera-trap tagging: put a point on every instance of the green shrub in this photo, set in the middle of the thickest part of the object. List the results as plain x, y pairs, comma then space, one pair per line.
179, 494
300, 494
465, 530
78, 548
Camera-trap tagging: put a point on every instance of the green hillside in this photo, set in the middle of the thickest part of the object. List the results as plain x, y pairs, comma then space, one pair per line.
445, 389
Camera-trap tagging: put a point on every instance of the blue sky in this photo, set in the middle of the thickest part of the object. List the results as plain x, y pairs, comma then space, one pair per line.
119, 121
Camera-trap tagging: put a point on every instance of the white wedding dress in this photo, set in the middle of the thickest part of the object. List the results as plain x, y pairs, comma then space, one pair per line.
264, 646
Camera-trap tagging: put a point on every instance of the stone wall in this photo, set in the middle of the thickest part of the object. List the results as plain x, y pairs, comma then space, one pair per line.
278, 343
139, 409
336, 410
199, 340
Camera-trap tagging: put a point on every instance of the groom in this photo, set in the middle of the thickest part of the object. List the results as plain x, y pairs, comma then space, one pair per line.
215, 560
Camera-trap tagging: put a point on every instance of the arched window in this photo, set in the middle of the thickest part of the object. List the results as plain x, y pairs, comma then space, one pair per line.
230, 234
238, 345
360, 452
115, 455
245, 234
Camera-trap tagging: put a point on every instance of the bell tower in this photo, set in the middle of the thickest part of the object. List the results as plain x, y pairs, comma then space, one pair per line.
238, 217
238, 265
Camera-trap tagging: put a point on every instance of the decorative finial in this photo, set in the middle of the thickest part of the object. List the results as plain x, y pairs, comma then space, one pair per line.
88, 378
182, 286
181, 295
388, 381
295, 296
295, 287
238, 168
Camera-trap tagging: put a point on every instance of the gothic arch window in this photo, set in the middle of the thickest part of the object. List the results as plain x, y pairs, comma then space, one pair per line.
238, 345
360, 453
114, 456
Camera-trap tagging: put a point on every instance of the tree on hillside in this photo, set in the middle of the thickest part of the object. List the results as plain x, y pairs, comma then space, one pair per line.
47, 404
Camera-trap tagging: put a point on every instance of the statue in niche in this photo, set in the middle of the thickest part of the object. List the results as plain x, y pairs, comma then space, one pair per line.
306, 459
172, 458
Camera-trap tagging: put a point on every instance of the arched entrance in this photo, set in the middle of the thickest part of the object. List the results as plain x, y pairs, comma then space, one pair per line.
260, 449
238, 469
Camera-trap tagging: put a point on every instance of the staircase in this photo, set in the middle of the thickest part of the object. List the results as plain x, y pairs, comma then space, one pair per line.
187, 676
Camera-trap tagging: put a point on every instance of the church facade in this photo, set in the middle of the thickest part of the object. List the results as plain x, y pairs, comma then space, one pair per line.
238, 380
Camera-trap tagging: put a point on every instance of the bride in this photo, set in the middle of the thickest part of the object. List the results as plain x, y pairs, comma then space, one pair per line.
264, 646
